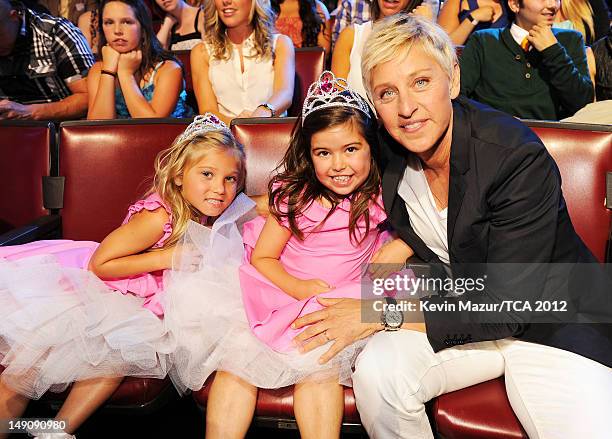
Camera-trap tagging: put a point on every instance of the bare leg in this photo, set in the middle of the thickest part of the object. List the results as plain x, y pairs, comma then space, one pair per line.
84, 398
318, 409
12, 404
229, 395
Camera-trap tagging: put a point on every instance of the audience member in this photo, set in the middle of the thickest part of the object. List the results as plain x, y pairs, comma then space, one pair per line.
88, 23
304, 21
459, 18
183, 25
346, 58
43, 64
602, 50
70, 9
589, 17
350, 12
528, 69
242, 69
136, 77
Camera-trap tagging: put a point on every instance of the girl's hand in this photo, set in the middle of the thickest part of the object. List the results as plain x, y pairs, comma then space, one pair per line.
311, 287
389, 259
129, 62
165, 257
110, 58
169, 21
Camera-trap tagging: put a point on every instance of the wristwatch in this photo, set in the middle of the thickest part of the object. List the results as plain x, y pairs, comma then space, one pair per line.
391, 319
269, 108
471, 18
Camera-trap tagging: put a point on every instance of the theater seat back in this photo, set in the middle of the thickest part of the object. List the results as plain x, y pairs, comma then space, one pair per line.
584, 155
309, 64
184, 56
108, 165
25, 151
265, 141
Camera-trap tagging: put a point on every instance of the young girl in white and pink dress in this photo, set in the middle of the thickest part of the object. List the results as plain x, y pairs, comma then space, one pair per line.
92, 313
325, 209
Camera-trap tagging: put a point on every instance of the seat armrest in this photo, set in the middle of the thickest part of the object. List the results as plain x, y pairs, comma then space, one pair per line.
44, 227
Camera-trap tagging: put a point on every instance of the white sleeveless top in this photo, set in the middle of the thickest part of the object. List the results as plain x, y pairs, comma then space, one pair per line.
237, 91
425, 218
354, 79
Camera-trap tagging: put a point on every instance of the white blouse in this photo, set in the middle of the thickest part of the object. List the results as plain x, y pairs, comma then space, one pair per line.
425, 218
361, 33
236, 90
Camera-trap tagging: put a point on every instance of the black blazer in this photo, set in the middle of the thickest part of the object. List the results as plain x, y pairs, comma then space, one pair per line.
505, 206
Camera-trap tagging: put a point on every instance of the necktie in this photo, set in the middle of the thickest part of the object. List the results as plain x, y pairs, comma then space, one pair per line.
525, 44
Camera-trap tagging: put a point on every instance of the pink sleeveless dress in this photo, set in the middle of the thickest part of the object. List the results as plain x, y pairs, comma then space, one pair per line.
59, 323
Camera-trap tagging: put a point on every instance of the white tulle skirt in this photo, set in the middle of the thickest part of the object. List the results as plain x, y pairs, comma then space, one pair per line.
59, 325
204, 312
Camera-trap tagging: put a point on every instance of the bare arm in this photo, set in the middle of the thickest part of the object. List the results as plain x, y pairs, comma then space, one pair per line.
324, 37
101, 94
168, 85
202, 87
163, 34
341, 58
265, 259
284, 77
460, 31
123, 252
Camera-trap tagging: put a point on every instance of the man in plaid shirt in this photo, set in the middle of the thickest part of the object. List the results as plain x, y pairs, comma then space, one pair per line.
43, 64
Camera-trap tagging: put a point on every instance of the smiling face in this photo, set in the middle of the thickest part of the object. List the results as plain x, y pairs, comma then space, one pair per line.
235, 13
390, 7
211, 183
341, 158
531, 12
122, 30
412, 96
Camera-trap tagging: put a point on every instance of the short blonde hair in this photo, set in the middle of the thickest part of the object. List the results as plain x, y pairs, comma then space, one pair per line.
393, 38
174, 161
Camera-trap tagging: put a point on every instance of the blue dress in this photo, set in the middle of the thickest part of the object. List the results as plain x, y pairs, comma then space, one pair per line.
501, 22
181, 109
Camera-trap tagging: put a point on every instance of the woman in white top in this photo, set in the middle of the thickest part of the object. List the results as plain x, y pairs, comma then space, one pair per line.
346, 57
242, 69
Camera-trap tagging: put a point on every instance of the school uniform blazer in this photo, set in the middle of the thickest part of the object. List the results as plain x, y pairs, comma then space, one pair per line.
505, 206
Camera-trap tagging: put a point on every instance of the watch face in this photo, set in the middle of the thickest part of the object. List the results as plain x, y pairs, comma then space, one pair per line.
393, 319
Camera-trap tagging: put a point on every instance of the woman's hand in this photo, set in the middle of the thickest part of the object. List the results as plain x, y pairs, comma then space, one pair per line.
484, 14
340, 322
261, 112
110, 59
389, 259
169, 21
129, 62
425, 11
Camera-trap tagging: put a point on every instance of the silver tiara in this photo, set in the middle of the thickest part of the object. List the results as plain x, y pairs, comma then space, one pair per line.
202, 124
329, 91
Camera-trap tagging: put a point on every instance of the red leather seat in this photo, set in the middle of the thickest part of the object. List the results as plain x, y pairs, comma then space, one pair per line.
584, 155
108, 165
184, 57
25, 151
309, 64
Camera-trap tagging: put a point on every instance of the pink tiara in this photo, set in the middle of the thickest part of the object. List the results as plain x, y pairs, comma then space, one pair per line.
329, 91
202, 124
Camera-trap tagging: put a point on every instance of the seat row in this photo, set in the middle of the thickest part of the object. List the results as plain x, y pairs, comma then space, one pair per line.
77, 183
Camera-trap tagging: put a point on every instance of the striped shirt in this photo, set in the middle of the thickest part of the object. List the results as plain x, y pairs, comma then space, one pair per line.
49, 54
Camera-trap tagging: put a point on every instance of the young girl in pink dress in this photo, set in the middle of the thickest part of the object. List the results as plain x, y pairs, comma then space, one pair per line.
92, 313
325, 208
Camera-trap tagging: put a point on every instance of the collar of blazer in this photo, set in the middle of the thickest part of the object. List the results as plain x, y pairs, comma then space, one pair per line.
460, 164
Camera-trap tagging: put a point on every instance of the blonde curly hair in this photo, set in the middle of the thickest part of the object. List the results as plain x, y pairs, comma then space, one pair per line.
172, 162
262, 19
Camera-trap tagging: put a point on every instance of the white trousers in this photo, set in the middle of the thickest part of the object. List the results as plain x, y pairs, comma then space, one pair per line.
554, 393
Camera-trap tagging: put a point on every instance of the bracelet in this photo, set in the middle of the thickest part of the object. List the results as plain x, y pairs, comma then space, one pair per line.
471, 19
269, 108
108, 72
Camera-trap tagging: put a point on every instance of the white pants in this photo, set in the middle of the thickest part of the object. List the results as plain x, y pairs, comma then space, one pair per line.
554, 393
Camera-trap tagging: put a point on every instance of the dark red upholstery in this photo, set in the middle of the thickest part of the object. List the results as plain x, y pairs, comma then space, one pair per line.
583, 154
108, 165
184, 57
309, 64
25, 152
